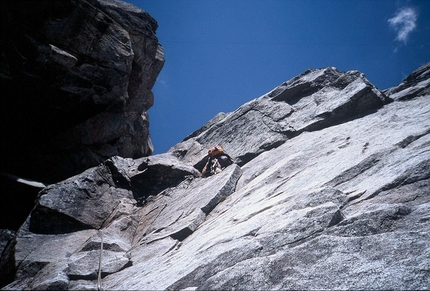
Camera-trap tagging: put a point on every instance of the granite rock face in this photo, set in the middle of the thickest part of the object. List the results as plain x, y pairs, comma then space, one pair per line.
341, 203
311, 101
416, 84
76, 79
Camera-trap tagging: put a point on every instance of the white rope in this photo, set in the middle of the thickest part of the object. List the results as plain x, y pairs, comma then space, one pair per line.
99, 279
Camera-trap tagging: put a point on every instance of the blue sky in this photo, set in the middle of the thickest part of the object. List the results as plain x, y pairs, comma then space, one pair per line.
222, 53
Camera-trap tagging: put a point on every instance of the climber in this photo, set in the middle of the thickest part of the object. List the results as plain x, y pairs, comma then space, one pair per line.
218, 160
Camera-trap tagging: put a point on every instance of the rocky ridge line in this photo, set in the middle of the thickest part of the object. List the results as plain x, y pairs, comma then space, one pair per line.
314, 100
77, 79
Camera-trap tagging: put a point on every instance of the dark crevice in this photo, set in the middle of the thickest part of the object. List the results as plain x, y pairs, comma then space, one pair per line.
154, 179
410, 139
419, 173
305, 239
356, 170
44, 220
91, 246
337, 217
94, 276
182, 234
246, 158
127, 265
270, 146
201, 164
294, 94
17, 203
120, 180
354, 197
8, 263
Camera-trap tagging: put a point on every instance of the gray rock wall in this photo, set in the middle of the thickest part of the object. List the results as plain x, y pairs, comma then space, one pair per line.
76, 78
416, 84
339, 205
311, 101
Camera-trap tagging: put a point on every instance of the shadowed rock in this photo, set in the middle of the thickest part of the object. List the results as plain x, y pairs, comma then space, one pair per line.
76, 78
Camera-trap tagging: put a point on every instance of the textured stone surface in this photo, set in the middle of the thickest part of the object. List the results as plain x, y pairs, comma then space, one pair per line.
89, 199
311, 101
343, 204
76, 78
416, 84
5, 236
62, 226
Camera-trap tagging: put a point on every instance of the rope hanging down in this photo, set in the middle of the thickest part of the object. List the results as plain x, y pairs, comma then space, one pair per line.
99, 279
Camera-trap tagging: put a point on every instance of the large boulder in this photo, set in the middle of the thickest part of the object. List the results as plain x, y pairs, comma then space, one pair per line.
72, 219
87, 200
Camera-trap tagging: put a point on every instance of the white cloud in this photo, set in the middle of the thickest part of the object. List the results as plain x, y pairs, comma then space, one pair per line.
404, 22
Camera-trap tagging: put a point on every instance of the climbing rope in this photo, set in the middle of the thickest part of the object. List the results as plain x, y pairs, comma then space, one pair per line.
99, 279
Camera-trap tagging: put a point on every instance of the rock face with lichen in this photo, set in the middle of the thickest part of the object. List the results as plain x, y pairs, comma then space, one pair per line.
330, 191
